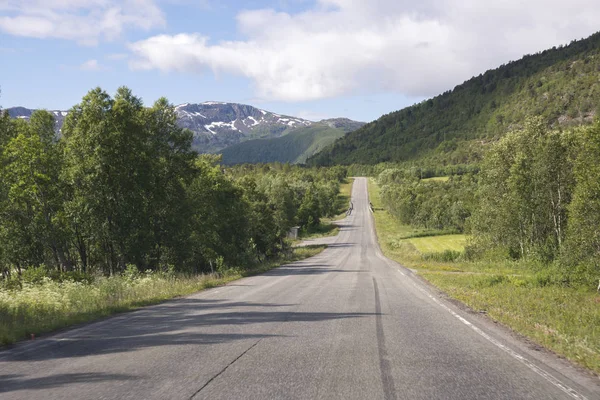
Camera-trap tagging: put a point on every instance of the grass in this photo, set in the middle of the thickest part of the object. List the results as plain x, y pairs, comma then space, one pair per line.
50, 305
439, 244
436, 179
563, 319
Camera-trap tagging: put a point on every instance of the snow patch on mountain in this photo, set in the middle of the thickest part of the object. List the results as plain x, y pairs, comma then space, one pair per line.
254, 121
220, 124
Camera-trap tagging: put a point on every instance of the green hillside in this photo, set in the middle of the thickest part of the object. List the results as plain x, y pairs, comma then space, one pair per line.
561, 84
295, 147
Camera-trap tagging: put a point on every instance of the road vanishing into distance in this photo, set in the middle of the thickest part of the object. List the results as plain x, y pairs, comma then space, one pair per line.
345, 324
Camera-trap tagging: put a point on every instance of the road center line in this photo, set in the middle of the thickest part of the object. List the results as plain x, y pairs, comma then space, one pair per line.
389, 391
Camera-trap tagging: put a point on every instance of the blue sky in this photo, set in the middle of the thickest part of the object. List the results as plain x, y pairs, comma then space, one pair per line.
307, 58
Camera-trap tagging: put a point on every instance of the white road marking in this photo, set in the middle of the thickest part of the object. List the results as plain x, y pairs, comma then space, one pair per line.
568, 390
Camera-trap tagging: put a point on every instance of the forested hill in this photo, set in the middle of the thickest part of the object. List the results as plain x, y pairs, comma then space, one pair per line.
295, 147
562, 85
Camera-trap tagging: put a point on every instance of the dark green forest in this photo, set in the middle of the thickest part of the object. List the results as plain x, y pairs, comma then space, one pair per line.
122, 187
561, 85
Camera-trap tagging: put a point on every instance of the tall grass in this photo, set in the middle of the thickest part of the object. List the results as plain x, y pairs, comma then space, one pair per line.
35, 308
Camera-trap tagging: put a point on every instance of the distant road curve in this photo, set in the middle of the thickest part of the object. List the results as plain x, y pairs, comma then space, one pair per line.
345, 324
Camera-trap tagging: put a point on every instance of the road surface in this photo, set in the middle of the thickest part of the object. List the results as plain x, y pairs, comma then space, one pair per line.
345, 324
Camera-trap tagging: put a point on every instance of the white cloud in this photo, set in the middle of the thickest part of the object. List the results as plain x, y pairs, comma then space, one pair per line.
91, 65
312, 115
341, 47
84, 21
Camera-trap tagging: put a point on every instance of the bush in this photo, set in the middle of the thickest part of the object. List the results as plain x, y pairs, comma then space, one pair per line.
33, 274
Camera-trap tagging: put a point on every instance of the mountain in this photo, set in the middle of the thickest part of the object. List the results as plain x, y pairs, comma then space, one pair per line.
562, 85
215, 125
295, 147
218, 125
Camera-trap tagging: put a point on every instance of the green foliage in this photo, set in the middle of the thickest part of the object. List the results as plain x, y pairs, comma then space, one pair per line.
126, 168
31, 206
583, 234
121, 191
296, 195
561, 85
220, 217
526, 185
440, 205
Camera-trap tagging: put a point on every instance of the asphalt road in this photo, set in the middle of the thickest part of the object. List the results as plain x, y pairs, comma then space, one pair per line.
346, 324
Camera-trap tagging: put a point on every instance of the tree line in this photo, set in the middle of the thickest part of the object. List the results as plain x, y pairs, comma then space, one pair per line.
540, 198
434, 205
121, 186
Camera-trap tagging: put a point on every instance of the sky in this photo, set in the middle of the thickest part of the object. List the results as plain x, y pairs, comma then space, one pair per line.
307, 58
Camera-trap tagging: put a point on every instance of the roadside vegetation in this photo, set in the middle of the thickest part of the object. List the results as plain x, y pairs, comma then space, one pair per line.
41, 304
121, 193
437, 179
518, 241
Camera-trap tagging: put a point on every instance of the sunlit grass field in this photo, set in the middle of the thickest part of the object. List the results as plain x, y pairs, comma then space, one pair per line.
563, 319
439, 244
